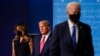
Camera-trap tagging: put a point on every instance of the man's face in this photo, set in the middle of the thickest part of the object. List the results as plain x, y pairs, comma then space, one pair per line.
73, 12
44, 28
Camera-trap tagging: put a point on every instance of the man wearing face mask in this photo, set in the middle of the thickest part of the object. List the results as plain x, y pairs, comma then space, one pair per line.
72, 37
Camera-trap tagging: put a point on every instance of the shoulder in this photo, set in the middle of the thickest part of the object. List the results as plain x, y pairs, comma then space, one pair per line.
61, 25
28, 38
84, 25
15, 38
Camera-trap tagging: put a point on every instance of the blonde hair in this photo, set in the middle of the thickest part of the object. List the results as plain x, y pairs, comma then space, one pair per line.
44, 22
24, 28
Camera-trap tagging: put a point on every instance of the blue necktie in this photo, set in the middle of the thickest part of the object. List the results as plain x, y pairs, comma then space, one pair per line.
74, 36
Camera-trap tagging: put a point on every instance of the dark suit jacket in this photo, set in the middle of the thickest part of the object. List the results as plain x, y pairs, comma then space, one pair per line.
45, 51
61, 43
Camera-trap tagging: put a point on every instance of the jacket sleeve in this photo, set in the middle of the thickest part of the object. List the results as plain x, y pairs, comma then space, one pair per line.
54, 44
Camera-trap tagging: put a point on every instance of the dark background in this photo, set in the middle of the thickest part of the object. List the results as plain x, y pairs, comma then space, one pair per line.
29, 12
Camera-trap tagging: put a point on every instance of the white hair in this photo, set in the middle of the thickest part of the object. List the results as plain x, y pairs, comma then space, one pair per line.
71, 4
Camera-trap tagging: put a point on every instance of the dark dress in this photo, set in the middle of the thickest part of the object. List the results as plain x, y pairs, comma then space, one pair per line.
21, 48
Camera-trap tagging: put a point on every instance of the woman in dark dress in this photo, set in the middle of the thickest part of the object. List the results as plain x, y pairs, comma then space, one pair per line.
22, 44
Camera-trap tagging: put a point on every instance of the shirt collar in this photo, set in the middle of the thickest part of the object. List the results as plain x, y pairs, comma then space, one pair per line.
70, 23
47, 35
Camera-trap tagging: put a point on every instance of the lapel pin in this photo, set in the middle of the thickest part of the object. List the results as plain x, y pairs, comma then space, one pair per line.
81, 27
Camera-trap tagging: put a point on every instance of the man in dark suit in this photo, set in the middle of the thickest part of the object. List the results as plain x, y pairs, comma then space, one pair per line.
72, 37
42, 41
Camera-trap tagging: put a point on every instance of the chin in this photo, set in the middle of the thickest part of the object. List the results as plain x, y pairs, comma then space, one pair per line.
42, 33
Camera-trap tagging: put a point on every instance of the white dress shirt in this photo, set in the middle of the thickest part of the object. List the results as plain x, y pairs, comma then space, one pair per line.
46, 36
70, 28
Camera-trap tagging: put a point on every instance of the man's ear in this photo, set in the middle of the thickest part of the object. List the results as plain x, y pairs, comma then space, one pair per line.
67, 12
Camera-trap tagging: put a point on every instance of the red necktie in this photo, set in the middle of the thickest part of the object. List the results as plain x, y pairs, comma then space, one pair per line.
42, 43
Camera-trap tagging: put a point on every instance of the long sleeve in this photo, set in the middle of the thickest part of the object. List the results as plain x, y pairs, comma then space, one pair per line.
89, 47
54, 45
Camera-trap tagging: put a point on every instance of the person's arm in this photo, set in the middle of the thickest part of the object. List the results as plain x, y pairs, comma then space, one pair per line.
54, 44
89, 48
31, 46
13, 50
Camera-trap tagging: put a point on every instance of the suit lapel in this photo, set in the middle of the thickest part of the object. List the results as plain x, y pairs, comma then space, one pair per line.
80, 34
46, 45
67, 36
67, 33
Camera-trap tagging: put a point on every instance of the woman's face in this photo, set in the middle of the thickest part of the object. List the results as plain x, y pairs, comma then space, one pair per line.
19, 29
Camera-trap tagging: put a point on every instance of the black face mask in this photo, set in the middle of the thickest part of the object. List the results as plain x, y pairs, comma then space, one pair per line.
74, 17
19, 33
